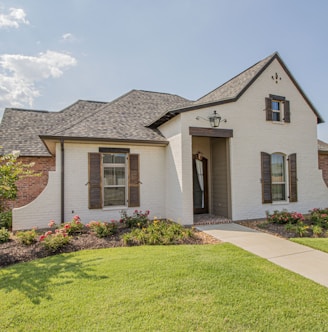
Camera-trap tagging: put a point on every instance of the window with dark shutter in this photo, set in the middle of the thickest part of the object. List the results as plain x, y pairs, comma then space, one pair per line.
274, 106
266, 177
134, 181
268, 109
292, 177
95, 180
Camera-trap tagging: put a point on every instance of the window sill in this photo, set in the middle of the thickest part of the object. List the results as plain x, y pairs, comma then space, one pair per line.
114, 208
279, 122
280, 202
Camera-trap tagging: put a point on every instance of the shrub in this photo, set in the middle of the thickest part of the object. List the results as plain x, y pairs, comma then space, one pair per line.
320, 217
158, 233
301, 229
6, 219
53, 241
4, 235
285, 217
102, 229
317, 230
74, 226
27, 237
137, 220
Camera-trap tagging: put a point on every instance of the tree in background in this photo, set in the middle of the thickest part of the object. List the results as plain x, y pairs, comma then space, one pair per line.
11, 170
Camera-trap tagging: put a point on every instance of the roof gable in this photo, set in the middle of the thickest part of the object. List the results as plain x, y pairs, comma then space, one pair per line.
233, 89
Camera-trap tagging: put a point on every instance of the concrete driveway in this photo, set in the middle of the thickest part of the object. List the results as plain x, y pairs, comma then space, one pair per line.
308, 262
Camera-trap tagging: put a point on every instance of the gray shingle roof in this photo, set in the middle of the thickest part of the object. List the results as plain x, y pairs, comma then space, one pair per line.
20, 129
134, 116
322, 146
123, 119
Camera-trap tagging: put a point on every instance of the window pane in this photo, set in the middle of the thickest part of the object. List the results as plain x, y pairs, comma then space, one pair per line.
114, 158
277, 168
275, 105
114, 196
278, 192
114, 176
275, 116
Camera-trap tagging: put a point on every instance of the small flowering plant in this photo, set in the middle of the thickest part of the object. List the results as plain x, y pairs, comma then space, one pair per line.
27, 237
74, 226
319, 217
102, 229
138, 219
53, 241
285, 217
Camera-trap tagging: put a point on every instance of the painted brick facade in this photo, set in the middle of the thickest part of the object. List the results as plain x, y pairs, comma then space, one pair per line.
323, 165
29, 188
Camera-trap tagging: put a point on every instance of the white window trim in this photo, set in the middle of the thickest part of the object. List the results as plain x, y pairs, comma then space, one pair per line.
125, 165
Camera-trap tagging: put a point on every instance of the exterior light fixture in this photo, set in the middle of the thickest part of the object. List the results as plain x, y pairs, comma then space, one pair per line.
214, 119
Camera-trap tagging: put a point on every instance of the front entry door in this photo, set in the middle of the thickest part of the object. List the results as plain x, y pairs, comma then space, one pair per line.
200, 185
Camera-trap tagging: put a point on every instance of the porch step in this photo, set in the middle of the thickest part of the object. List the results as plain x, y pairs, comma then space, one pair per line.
210, 219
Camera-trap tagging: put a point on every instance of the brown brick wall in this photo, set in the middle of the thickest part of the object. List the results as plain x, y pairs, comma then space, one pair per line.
30, 188
323, 164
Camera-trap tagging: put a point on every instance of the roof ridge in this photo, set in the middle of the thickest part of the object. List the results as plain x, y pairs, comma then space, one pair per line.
161, 93
74, 123
25, 110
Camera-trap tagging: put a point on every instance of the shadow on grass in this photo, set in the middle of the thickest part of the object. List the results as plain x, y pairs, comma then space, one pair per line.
36, 278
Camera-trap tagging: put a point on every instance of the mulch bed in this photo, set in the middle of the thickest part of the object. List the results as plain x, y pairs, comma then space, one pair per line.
13, 252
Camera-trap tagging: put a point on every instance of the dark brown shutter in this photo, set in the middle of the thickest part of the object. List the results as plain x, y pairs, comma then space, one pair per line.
95, 180
286, 111
268, 109
266, 177
134, 181
292, 177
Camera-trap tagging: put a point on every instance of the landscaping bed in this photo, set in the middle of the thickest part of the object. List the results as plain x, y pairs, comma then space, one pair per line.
94, 237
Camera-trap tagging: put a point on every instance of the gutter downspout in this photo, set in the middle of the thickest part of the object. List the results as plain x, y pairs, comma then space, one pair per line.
62, 184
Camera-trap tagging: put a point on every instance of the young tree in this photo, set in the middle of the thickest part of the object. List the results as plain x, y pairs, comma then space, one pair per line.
11, 170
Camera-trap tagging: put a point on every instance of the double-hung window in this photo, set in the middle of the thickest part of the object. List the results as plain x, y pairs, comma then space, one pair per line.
115, 179
277, 109
279, 177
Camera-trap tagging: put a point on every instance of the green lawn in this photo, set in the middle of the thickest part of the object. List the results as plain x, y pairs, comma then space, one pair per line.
159, 288
316, 243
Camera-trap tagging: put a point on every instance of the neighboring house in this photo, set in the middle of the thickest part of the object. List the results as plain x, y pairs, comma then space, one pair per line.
163, 153
323, 159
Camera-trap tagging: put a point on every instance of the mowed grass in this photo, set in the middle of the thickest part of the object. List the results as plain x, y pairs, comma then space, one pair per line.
315, 243
159, 288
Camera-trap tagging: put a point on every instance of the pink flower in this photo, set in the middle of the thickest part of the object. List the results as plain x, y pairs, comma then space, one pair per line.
67, 226
112, 221
51, 223
121, 220
87, 225
147, 212
42, 237
76, 218
48, 233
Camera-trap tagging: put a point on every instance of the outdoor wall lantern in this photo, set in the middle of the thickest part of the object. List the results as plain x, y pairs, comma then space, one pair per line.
214, 119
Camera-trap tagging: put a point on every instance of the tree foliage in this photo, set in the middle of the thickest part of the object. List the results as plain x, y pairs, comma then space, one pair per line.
11, 170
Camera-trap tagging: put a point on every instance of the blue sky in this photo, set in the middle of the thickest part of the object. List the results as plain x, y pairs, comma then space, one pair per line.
53, 53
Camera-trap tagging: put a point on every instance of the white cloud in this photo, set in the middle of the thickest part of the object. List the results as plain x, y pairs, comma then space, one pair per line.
66, 37
15, 17
20, 73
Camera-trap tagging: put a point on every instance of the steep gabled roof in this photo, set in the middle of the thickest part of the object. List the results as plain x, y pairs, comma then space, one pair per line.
233, 89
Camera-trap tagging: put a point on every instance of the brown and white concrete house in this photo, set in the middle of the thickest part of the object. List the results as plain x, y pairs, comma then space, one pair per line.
164, 153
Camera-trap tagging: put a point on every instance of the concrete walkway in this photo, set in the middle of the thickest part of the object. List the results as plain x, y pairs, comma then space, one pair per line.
308, 262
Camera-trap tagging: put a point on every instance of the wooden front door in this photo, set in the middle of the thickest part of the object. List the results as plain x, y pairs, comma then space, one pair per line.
200, 185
